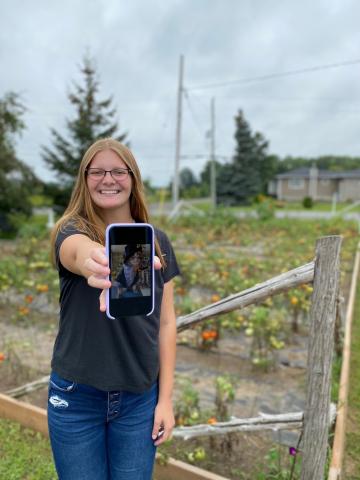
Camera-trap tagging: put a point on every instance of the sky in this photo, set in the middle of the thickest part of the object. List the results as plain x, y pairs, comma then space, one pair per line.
227, 45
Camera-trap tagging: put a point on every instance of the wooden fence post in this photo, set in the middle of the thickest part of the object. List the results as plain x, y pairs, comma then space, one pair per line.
320, 354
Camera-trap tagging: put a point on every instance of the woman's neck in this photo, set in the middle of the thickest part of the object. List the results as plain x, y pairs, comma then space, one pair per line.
116, 216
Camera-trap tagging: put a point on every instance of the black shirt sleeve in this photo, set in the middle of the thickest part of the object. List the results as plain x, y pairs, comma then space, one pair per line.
172, 268
65, 231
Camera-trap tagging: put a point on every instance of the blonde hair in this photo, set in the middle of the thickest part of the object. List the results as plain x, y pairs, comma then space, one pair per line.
84, 215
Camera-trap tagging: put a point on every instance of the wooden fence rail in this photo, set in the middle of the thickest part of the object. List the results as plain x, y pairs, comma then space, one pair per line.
28, 387
257, 293
283, 421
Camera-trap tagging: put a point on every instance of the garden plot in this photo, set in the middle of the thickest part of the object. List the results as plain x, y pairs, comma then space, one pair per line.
270, 380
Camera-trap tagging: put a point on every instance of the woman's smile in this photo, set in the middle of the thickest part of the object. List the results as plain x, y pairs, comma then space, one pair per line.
109, 192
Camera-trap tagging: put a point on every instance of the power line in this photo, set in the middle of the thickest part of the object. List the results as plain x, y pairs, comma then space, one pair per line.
275, 75
196, 121
276, 98
200, 99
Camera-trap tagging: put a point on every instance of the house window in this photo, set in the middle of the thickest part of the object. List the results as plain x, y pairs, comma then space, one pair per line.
296, 183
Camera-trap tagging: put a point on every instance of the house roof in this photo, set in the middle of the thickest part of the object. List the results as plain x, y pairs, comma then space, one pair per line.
304, 172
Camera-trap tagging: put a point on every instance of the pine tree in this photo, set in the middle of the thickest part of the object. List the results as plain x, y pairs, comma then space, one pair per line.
11, 122
240, 181
94, 119
187, 178
205, 176
17, 180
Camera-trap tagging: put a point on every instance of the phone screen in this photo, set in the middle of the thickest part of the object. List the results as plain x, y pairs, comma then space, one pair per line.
130, 248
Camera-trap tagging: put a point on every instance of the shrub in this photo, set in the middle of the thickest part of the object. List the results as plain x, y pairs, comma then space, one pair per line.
307, 202
265, 209
34, 227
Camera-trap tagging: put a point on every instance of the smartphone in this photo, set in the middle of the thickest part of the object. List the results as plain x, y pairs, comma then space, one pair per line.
159, 435
130, 250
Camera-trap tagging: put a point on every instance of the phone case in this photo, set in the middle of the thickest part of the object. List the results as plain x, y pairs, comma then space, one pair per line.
107, 246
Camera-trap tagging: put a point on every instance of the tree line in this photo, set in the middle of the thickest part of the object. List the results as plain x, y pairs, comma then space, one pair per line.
238, 181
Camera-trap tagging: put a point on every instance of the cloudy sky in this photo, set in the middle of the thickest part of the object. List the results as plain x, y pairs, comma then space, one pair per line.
227, 45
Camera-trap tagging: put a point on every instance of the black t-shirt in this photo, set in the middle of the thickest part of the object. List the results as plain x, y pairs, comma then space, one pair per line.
90, 348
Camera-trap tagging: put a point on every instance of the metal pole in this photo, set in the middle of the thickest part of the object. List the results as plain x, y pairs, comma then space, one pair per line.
175, 191
212, 155
333, 204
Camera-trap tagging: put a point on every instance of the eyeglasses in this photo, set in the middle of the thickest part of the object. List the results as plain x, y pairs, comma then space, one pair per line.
116, 173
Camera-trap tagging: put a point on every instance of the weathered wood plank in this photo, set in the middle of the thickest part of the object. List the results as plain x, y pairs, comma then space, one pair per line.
335, 471
320, 354
28, 387
283, 421
178, 470
27, 415
257, 293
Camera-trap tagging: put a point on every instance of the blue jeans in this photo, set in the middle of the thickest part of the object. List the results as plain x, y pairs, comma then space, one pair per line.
98, 435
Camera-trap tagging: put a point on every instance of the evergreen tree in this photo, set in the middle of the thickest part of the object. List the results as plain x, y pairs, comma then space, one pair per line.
17, 181
205, 176
187, 178
94, 119
251, 168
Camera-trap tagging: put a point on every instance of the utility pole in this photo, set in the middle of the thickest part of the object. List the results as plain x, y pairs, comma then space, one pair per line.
212, 155
175, 192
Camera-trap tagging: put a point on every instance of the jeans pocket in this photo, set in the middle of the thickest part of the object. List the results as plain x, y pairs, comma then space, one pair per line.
60, 383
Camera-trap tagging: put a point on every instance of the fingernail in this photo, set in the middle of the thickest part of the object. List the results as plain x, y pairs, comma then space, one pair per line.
153, 437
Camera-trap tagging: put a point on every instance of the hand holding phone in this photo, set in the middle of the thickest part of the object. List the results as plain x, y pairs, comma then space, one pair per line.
130, 250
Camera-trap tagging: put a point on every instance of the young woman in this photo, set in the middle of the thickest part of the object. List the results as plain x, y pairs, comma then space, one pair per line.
110, 390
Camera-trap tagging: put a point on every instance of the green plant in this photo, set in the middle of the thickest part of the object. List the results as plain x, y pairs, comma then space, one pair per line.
41, 200
16, 219
196, 455
264, 330
163, 456
265, 209
34, 227
275, 470
308, 202
299, 303
225, 396
187, 410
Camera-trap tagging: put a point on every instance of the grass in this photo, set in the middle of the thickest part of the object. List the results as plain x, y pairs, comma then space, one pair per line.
24, 454
283, 205
335, 378
320, 206
352, 445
